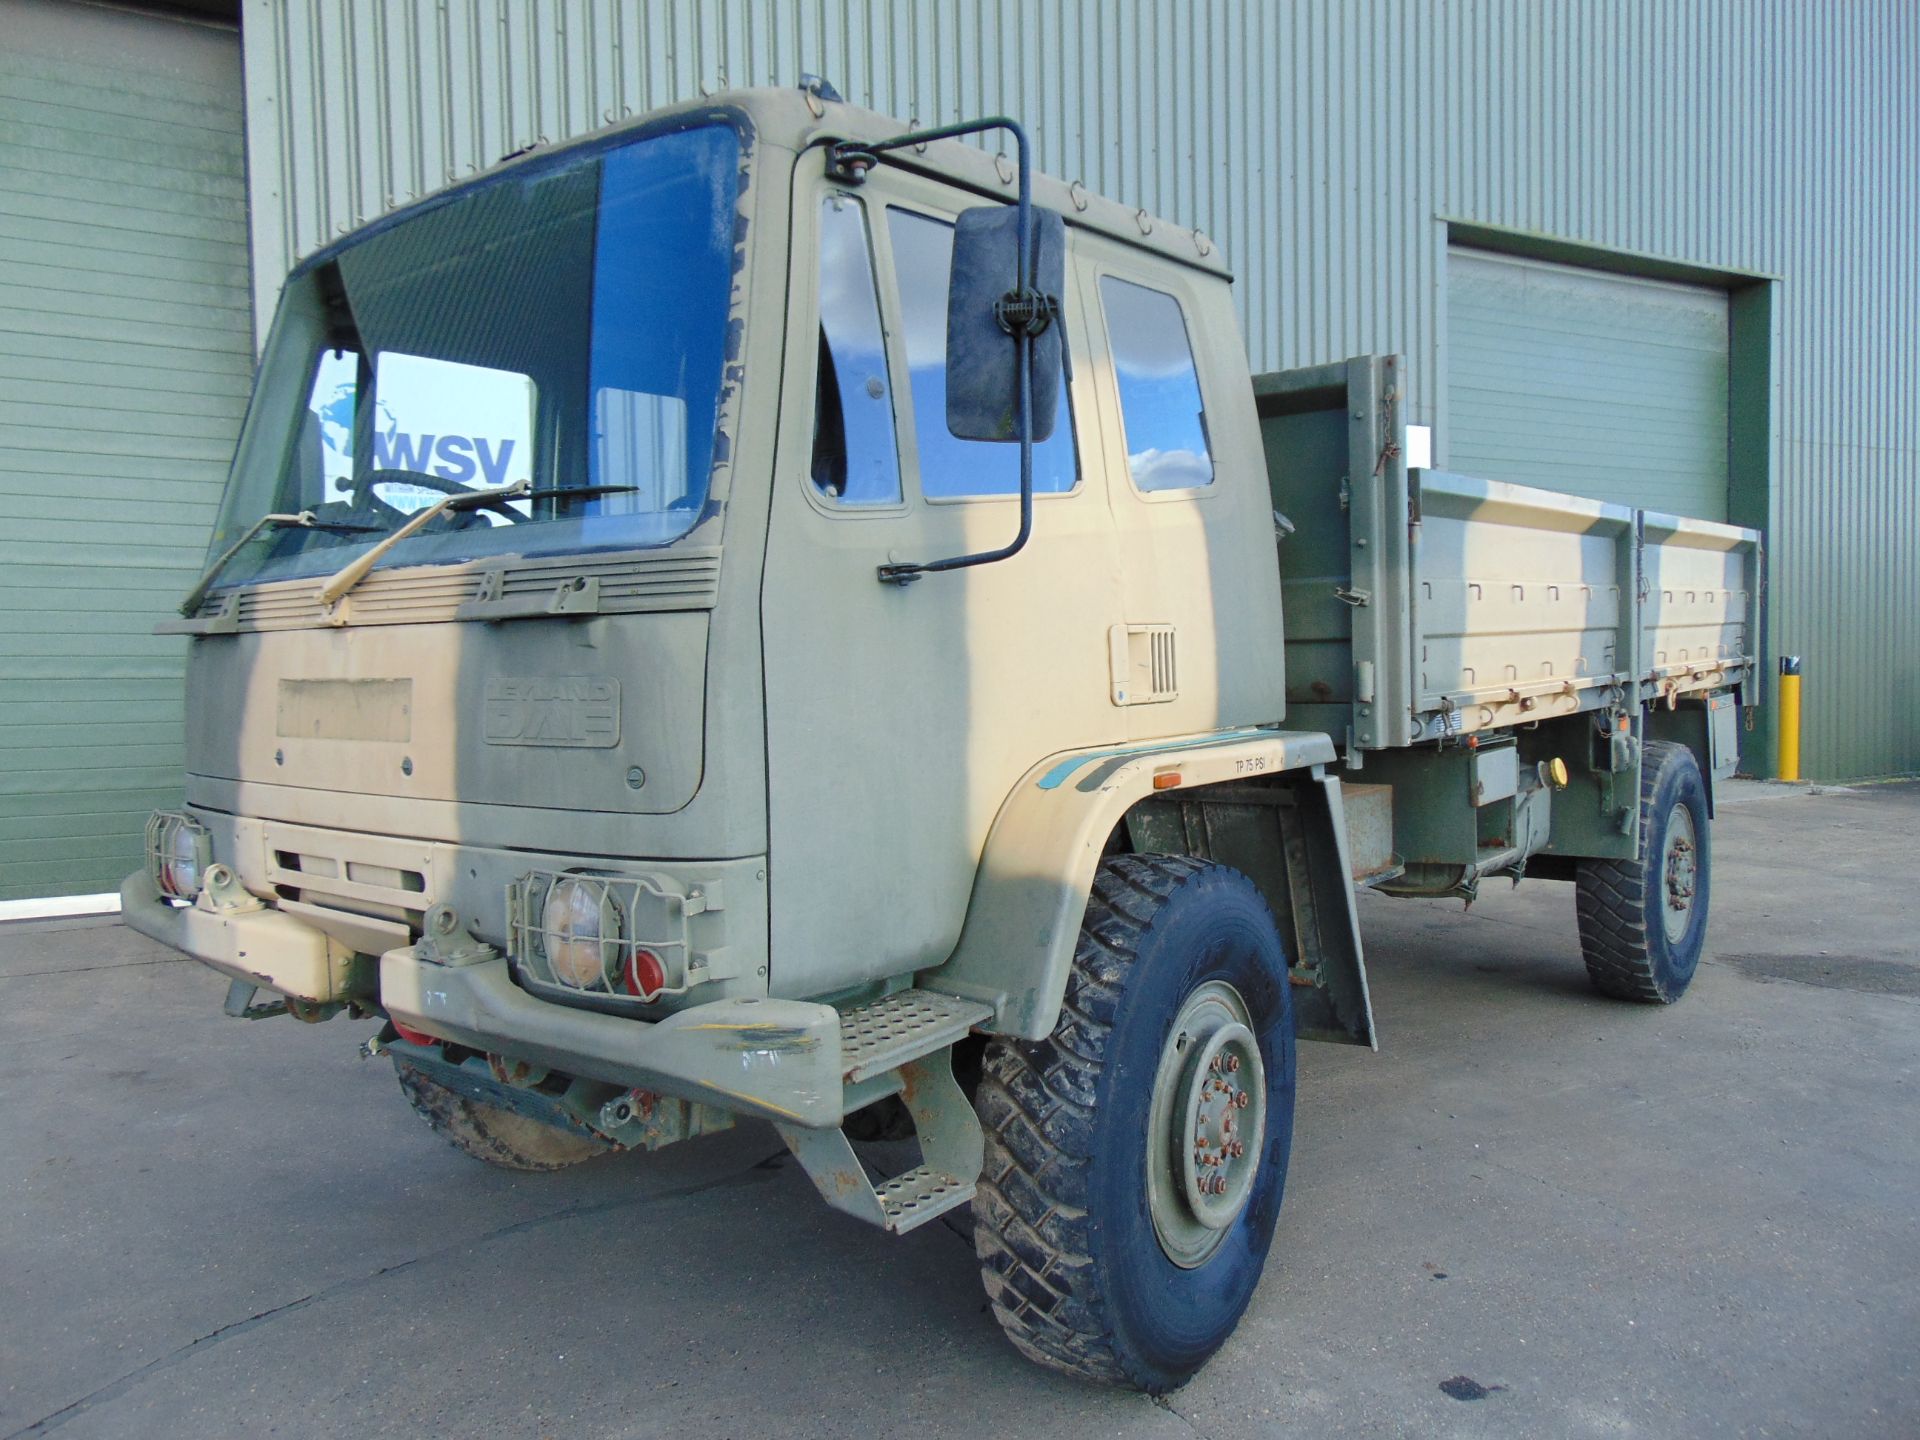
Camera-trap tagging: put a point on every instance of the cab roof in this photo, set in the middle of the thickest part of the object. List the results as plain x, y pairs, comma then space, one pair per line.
796, 119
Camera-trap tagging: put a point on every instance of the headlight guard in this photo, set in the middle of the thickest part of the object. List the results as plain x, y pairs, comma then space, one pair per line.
179, 849
616, 939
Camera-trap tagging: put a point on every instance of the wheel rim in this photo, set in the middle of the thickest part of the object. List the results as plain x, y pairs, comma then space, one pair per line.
1205, 1125
1680, 872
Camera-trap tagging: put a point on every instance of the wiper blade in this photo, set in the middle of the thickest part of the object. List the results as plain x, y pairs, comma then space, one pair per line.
356, 570
304, 519
571, 491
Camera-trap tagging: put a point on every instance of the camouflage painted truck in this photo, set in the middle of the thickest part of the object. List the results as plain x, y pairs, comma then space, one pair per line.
751, 614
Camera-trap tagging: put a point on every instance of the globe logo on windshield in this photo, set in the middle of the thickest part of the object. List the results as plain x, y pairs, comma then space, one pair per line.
336, 415
336, 426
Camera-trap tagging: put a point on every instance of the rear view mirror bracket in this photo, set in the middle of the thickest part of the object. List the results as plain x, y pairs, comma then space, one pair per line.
1026, 312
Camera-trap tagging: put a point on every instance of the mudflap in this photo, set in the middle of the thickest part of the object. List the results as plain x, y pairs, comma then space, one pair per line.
1325, 947
1289, 836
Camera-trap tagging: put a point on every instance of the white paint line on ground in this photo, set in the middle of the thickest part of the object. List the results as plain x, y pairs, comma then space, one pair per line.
56, 906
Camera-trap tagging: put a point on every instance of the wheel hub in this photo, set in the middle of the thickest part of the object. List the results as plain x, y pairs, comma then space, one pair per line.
1680, 871
1207, 1122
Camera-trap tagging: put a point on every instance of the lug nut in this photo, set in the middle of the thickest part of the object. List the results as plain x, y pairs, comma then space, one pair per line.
1233, 1062
1240, 1100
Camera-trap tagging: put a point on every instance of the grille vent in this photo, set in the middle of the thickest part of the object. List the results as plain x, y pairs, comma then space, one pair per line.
666, 580
1145, 663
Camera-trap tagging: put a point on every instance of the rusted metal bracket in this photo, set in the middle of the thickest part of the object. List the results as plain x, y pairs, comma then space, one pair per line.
241, 1007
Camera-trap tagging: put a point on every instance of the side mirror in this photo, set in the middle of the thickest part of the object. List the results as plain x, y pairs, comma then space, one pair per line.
983, 355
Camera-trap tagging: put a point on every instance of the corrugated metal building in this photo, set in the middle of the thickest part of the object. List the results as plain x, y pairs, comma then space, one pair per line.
1665, 251
125, 360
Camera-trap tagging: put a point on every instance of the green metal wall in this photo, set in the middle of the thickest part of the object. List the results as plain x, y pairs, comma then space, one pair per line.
1331, 146
125, 345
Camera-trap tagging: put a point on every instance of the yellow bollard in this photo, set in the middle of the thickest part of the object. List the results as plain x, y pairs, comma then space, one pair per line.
1789, 717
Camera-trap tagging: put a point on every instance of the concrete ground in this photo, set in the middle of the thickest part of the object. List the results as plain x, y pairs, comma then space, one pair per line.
1602, 1220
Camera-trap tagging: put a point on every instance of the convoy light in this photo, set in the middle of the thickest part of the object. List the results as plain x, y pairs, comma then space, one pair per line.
411, 1035
578, 924
179, 849
646, 974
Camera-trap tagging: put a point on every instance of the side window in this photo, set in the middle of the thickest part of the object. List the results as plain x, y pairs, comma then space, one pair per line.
951, 467
855, 458
1160, 408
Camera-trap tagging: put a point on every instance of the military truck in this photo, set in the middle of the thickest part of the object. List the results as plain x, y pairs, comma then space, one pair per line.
754, 614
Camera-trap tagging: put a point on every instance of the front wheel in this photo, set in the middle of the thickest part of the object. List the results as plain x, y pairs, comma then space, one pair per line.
1643, 922
1136, 1157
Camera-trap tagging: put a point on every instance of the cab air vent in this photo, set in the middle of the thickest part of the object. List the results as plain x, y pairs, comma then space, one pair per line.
1144, 664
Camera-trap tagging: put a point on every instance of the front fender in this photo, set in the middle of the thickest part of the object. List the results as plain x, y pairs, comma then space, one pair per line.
1030, 892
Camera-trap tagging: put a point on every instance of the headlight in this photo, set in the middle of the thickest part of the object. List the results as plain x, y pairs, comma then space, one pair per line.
183, 862
621, 939
178, 852
580, 928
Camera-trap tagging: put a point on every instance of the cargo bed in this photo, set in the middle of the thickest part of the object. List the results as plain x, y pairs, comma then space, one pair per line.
1422, 604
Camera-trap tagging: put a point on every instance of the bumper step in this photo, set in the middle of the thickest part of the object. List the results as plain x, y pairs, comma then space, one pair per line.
920, 1195
904, 1043
903, 1026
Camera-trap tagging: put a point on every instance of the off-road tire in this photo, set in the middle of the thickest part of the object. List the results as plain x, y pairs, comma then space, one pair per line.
489, 1133
1620, 903
1062, 1228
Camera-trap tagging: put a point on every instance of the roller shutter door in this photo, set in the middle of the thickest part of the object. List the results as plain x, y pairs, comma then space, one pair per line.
125, 348
1604, 385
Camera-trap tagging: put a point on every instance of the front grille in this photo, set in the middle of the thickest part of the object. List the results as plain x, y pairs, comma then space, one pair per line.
671, 579
368, 875
356, 872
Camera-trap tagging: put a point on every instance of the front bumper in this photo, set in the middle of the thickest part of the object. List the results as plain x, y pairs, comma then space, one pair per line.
260, 946
778, 1059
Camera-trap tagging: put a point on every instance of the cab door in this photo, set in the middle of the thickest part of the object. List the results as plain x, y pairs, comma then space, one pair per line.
899, 717
1186, 482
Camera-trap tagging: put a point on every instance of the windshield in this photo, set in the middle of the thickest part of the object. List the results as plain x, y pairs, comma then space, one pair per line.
561, 327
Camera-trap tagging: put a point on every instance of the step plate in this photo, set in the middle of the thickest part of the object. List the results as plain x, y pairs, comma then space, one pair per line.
920, 1195
904, 1026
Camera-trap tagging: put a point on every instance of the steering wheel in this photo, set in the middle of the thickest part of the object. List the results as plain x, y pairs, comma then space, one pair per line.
363, 496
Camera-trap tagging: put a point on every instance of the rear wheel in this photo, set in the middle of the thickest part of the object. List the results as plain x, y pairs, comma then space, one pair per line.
489, 1133
1643, 923
1136, 1158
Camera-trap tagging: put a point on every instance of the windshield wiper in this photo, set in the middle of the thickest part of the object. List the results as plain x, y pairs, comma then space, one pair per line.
304, 520
356, 570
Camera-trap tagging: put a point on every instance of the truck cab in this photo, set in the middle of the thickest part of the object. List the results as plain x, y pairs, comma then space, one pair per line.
720, 374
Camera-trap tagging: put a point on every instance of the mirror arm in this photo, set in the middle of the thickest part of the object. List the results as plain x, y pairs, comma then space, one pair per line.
1021, 312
